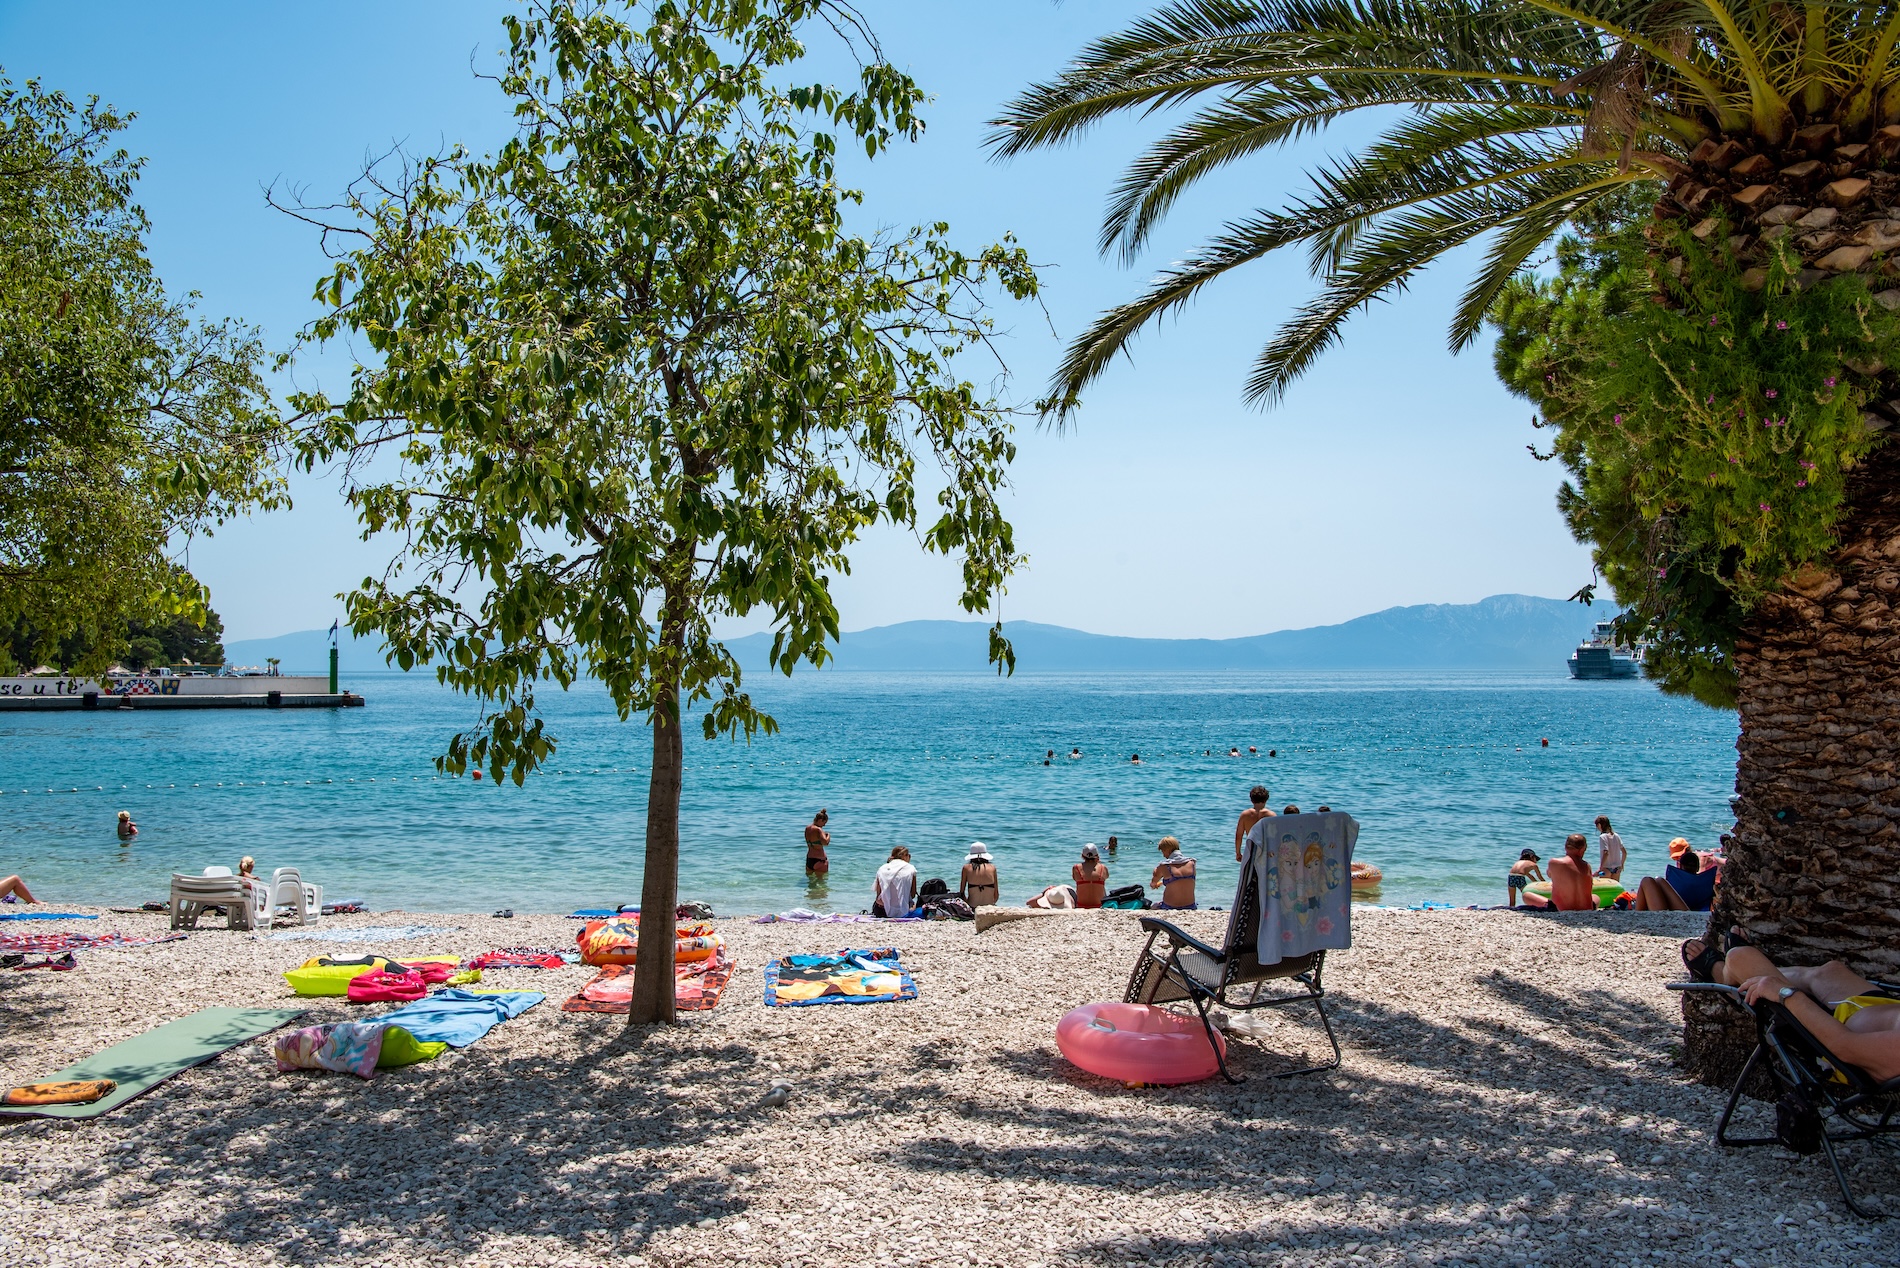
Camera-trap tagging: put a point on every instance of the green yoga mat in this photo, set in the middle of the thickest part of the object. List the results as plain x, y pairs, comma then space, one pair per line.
142, 1063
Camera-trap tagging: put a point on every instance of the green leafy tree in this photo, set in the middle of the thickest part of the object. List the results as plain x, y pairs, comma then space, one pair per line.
1765, 137
633, 373
166, 640
126, 424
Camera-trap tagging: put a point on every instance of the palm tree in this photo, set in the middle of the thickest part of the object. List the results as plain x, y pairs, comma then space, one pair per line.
1507, 120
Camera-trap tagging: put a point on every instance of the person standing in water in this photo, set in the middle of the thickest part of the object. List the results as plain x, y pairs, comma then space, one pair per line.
1174, 878
1250, 816
127, 829
1614, 856
817, 862
1090, 877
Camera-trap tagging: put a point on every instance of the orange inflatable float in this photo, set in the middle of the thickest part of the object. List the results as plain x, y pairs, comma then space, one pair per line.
1365, 875
616, 940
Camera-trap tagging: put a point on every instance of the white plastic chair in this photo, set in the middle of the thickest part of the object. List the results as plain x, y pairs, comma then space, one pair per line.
287, 891
245, 902
217, 871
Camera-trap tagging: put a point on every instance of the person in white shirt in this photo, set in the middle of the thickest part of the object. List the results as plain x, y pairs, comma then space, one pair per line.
894, 892
1614, 855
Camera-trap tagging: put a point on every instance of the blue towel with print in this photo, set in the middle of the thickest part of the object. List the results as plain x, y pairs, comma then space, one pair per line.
459, 1018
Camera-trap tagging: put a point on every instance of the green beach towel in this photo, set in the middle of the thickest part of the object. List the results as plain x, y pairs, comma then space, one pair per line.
143, 1062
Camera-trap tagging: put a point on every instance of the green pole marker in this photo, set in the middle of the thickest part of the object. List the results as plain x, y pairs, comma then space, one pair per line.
333, 671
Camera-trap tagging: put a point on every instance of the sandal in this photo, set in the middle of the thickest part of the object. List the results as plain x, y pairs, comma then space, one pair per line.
1701, 964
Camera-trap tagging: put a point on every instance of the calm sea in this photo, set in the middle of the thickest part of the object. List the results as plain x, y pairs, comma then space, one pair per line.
1445, 773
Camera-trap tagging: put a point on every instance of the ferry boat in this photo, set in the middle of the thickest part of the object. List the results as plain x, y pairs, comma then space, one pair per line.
1600, 656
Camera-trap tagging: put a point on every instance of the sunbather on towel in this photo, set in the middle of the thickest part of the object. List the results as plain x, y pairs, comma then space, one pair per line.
14, 889
1838, 1006
1174, 878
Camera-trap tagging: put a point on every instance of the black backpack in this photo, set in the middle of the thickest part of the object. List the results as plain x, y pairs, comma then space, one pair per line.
932, 887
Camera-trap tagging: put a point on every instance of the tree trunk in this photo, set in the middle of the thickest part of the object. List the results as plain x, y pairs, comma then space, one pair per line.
1813, 868
653, 989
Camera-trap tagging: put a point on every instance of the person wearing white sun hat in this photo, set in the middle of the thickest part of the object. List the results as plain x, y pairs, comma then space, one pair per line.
979, 886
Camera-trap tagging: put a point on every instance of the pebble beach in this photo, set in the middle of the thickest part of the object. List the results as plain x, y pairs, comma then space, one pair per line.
1508, 1096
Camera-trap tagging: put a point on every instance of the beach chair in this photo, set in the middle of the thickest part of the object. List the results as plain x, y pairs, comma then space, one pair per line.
1175, 965
1820, 1100
289, 894
245, 901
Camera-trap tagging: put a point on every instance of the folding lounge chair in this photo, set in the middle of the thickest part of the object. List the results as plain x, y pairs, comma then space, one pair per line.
1229, 976
1814, 1109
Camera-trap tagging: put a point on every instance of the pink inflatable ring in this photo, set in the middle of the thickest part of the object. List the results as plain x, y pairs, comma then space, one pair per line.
1137, 1043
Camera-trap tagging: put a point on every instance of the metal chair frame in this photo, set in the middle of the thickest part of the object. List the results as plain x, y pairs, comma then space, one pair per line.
1240, 966
1800, 1064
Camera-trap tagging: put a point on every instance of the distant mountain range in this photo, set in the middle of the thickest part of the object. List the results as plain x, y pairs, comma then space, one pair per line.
1505, 631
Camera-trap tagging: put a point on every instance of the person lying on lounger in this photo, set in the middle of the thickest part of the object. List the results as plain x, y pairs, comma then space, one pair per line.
1836, 1005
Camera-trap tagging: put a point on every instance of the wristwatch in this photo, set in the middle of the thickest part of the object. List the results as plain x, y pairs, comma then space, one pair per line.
1786, 992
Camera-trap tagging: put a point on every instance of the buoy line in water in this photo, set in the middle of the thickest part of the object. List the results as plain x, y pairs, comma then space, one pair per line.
1162, 758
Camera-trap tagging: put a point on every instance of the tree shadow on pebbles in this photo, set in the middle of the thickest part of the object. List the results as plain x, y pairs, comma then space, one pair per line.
473, 1147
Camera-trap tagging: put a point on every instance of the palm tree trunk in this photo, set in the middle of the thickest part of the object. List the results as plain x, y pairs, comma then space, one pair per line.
1814, 868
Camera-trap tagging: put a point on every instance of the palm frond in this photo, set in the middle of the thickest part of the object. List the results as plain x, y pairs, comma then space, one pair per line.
1519, 115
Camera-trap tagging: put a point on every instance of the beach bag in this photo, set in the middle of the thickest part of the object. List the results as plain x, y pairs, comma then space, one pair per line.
386, 988
932, 888
1126, 898
947, 907
1797, 1123
693, 911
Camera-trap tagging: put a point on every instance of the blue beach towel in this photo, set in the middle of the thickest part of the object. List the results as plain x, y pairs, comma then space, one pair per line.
45, 915
603, 913
839, 977
459, 1018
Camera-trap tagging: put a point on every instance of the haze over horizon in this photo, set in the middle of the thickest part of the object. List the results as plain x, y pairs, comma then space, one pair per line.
1394, 474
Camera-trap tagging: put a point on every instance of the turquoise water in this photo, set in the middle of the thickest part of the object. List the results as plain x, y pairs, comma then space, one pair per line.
1444, 772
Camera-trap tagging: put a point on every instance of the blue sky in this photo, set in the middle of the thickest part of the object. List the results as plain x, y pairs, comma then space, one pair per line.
1394, 473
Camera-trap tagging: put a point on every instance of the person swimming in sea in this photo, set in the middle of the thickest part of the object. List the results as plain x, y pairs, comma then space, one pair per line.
1135, 759
1075, 754
817, 861
1174, 877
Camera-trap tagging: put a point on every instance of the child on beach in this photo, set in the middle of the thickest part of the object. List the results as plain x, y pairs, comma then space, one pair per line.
1614, 855
1523, 872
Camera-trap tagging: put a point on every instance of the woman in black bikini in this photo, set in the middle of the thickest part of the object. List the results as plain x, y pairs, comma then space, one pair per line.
817, 862
979, 885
